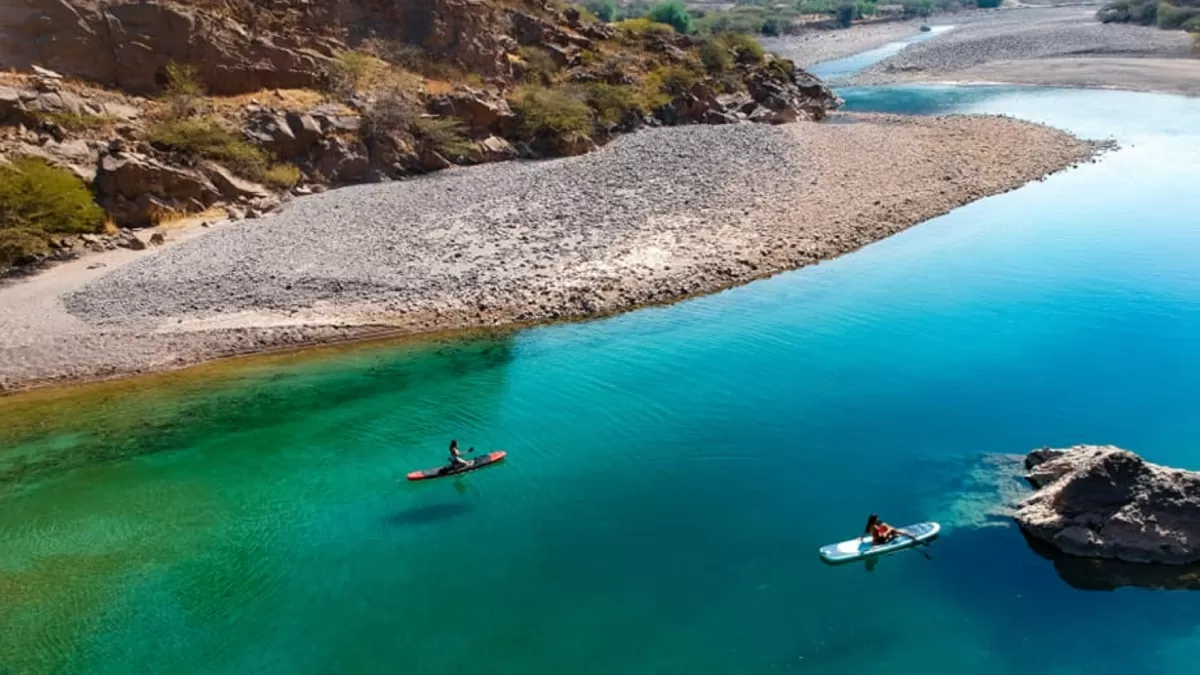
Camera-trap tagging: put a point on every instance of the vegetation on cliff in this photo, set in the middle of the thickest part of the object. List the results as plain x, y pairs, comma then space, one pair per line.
38, 200
1174, 15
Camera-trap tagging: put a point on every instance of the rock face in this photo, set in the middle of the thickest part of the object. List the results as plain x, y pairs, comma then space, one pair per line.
1105, 502
128, 45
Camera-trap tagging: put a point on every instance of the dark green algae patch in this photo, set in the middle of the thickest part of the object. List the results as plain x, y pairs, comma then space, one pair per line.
47, 432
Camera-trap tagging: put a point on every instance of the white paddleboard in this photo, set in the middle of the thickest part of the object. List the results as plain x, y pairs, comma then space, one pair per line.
861, 548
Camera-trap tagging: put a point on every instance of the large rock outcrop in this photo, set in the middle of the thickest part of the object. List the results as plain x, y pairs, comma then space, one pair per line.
1105, 502
128, 45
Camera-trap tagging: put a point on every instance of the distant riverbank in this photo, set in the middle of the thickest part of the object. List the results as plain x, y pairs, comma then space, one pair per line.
655, 217
1049, 46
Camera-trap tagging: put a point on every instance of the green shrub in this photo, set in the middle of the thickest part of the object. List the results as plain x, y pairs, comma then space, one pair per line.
1144, 12
281, 176
445, 135
540, 66
674, 13
77, 121
845, 15
643, 27
674, 80
613, 102
604, 10
818, 6
552, 112
1171, 17
744, 47
864, 8
716, 57
918, 8
204, 137
988, 4
773, 27
17, 245
37, 200
351, 71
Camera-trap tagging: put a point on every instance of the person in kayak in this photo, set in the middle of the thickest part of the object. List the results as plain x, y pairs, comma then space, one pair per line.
456, 458
882, 533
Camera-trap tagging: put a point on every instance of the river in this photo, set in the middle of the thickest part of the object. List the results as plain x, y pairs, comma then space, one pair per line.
672, 471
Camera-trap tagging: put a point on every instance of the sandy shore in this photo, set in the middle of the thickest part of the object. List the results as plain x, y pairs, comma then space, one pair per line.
653, 217
1058, 46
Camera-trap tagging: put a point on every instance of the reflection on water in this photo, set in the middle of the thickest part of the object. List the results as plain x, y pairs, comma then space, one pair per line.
1094, 574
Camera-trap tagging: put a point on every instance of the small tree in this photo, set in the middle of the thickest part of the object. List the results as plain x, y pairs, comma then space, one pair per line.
845, 15
184, 89
674, 13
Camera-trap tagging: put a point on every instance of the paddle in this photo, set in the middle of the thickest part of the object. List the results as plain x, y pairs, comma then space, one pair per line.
917, 544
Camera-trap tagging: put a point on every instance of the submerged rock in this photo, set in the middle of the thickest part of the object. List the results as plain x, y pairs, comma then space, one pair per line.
1105, 502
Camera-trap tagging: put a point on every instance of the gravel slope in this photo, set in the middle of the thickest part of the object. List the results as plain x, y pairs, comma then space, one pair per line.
655, 216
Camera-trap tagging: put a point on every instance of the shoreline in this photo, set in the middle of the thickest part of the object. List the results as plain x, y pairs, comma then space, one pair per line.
711, 232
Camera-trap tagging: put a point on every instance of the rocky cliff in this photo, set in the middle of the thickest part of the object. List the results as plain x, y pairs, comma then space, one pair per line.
281, 97
1105, 502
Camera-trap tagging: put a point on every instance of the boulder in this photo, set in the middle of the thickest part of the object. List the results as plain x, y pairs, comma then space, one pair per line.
272, 130
481, 110
133, 188
231, 187
305, 130
493, 149
341, 161
779, 85
394, 155
1105, 502
431, 160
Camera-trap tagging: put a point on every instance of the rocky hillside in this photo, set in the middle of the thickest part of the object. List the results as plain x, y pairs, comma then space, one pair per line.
165, 108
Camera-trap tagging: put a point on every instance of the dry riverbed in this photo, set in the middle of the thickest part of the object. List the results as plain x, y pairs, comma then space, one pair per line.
653, 217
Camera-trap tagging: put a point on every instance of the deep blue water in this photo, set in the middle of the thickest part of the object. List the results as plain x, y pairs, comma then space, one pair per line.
672, 471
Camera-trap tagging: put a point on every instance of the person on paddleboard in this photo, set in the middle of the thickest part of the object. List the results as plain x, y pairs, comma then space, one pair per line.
456, 458
882, 533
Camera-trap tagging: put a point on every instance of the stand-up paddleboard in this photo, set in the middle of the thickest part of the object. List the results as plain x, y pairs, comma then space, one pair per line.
471, 465
861, 548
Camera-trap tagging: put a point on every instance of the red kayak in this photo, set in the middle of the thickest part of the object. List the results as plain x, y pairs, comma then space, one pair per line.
472, 464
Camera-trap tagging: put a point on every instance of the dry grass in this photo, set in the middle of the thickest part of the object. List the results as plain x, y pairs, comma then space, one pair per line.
281, 176
438, 87
292, 100
182, 220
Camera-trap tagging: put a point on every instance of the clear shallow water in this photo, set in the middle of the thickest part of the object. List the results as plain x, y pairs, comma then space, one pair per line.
672, 471
840, 69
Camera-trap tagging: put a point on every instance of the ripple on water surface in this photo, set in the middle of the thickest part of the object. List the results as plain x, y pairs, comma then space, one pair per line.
671, 471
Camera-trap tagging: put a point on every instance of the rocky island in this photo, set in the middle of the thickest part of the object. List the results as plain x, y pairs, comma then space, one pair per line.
1104, 502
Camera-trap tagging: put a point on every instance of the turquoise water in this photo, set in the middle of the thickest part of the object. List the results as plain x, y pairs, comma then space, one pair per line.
840, 69
671, 473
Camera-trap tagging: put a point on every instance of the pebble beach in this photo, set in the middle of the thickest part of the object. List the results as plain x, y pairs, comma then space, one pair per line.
654, 217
